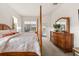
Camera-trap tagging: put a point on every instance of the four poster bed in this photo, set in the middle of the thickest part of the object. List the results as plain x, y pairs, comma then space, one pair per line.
21, 44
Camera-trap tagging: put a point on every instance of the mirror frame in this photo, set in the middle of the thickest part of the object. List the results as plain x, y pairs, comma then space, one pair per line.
67, 23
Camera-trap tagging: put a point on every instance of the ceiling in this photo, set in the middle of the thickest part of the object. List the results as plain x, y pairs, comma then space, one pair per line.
32, 9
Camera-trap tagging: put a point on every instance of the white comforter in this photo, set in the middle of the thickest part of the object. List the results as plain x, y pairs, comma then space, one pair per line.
21, 42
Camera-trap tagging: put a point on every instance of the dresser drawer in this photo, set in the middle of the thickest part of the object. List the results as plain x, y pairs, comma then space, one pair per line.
62, 43
62, 40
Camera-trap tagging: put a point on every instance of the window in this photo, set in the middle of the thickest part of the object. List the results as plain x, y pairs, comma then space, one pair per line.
16, 24
30, 26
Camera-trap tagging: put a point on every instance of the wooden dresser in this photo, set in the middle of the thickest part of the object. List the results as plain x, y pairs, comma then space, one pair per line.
62, 40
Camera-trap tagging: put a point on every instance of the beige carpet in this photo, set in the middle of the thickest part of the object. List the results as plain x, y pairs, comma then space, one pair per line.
50, 49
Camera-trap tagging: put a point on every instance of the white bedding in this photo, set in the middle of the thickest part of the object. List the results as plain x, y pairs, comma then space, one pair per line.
20, 42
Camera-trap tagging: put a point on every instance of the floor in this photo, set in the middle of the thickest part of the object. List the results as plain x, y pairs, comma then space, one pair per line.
50, 49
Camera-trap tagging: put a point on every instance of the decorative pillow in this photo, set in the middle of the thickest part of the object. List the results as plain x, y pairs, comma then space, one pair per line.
7, 33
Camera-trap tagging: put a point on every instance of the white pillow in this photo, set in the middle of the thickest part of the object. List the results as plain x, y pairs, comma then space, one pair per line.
4, 33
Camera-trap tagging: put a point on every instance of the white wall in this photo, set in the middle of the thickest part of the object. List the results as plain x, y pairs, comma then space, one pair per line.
47, 23
70, 10
6, 14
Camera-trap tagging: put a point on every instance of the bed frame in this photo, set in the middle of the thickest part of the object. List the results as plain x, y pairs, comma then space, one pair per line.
6, 27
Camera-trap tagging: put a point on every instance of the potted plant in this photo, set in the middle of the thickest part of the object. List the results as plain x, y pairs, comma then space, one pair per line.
57, 27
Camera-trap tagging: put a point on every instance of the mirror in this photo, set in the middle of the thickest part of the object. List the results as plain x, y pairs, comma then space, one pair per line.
64, 23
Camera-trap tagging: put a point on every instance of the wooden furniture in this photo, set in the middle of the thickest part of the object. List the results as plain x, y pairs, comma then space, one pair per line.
76, 51
41, 28
6, 27
62, 40
67, 23
18, 54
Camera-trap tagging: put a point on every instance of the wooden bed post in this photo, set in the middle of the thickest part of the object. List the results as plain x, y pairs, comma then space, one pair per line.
37, 26
41, 28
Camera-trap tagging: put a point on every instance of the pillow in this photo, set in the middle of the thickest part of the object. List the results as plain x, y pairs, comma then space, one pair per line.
4, 33
8, 34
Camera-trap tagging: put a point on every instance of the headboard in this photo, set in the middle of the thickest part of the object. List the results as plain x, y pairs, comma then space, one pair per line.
4, 27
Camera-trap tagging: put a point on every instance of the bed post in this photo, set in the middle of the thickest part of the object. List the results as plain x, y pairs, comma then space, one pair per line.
37, 26
41, 28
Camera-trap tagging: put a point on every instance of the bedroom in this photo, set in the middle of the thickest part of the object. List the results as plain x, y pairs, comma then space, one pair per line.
22, 17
